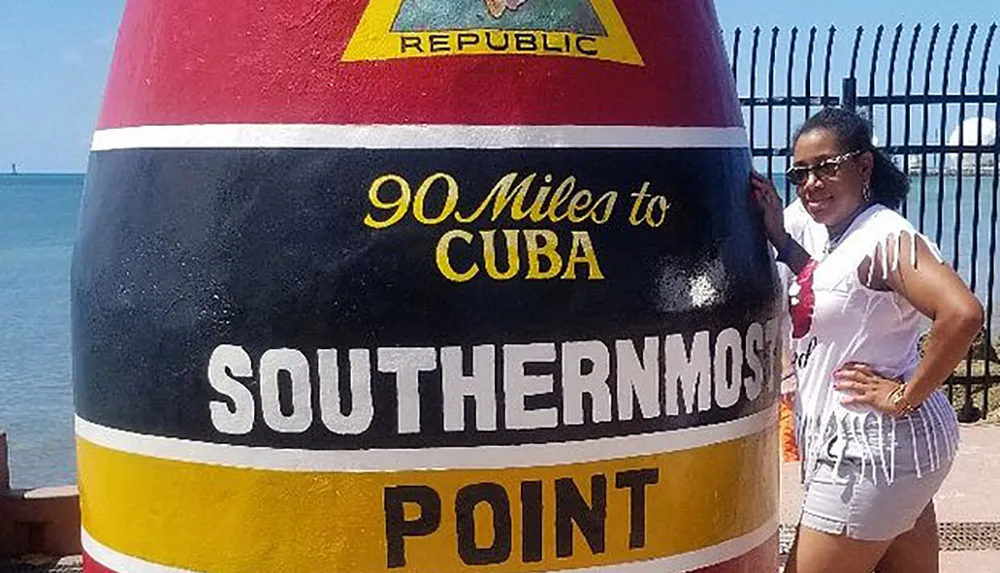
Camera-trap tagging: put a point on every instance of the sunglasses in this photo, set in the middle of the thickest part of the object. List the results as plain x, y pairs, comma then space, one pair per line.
826, 169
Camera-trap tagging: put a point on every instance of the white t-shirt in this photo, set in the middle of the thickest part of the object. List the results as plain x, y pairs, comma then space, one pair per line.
836, 318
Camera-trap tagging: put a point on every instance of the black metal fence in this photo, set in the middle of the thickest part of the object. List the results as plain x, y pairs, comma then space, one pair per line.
932, 98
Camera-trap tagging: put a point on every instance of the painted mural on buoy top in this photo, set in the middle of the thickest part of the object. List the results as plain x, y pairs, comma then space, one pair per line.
428, 28
413, 286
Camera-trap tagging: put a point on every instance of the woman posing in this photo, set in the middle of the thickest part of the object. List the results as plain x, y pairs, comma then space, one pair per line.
877, 436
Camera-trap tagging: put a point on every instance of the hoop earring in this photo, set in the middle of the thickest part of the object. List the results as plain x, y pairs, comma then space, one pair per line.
866, 192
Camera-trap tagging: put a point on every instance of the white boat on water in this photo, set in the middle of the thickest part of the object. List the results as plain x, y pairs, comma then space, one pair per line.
975, 131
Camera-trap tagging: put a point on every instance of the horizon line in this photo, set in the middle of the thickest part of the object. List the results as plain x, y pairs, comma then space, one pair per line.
29, 173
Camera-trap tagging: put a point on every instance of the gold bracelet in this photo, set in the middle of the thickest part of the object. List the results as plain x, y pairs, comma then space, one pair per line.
903, 406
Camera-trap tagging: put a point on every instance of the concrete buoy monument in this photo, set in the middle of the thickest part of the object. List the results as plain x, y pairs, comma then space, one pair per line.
423, 286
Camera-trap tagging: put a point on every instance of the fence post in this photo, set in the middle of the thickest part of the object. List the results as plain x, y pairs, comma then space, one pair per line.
849, 93
4, 467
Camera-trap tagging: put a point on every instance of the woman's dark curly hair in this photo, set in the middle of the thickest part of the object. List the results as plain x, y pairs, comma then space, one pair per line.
889, 185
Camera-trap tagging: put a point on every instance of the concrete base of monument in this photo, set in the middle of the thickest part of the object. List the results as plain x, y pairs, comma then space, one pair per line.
39, 522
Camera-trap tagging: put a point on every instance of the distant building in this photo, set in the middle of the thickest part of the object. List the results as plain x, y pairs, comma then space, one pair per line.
969, 134
916, 165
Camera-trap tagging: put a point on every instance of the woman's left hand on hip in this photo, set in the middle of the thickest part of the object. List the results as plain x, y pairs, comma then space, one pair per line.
866, 386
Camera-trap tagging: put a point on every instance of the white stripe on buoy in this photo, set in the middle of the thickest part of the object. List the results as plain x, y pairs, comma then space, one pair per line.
478, 457
266, 136
690, 561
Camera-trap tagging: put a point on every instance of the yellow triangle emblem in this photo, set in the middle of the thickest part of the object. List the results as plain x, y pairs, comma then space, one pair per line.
392, 29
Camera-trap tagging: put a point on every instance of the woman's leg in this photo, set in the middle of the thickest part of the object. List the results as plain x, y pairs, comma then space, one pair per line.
818, 552
915, 551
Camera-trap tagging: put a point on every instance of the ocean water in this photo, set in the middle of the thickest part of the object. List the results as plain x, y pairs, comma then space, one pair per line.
37, 225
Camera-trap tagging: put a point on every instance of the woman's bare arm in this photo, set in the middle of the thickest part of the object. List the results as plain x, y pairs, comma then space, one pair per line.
939, 293
790, 251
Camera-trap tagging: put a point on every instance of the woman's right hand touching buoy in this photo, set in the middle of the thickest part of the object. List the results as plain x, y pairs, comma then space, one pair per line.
770, 205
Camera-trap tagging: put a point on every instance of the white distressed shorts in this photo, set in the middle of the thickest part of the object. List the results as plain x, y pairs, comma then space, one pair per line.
841, 499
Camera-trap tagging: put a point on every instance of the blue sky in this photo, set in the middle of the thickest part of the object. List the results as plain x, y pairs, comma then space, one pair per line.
54, 57
851, 13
